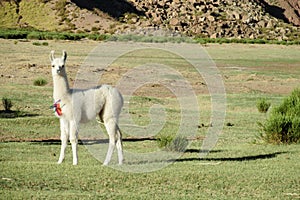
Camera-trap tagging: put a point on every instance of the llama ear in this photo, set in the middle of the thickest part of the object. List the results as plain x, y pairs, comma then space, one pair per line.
64, 55
52, 55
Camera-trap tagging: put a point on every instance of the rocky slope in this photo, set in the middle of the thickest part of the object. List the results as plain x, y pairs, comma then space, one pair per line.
219, 18
268, 19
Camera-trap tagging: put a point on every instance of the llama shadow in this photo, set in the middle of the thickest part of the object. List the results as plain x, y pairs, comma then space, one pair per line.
222, 159
275, 11
9, 114
233, 159
193, 159
198, 151
56, 141
114, 8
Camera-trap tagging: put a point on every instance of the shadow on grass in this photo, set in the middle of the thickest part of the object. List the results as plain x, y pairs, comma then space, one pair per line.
237, 159
56, 141
198, 151
9, 114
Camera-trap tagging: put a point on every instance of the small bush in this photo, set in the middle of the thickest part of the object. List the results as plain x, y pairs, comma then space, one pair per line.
98, 37
37, 43
40, 82
283, 125
35, 35
170, 143
262, 105
164, 140
7, 104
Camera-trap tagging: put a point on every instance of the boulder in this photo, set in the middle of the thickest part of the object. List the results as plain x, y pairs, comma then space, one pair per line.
262, 24
211, 18
174, 22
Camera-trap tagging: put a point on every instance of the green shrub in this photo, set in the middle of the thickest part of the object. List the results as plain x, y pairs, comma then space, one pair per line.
40, 82
98, 37
170, 143
35, 35
13, 34
7, 103
37, 43
45, 43
164, 140
40, 43
262, 105
283, 125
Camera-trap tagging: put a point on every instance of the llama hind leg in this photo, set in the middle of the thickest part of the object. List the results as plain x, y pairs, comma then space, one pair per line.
64, 129
111, 129
119, 146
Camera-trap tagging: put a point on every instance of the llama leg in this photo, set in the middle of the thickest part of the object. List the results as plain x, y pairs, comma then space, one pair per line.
119, 146
74, 141
111, 130
64, 139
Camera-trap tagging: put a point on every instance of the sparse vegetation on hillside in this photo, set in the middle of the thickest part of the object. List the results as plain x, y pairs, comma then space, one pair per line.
44, 35
215, 19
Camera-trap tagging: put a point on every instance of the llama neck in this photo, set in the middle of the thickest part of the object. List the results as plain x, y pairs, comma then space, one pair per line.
61, 87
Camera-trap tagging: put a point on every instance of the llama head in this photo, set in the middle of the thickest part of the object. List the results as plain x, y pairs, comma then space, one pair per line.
58, 64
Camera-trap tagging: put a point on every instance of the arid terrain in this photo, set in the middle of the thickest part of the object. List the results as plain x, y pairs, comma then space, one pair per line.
255, 19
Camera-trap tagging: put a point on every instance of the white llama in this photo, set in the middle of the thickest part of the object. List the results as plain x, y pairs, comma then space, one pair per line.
74, 106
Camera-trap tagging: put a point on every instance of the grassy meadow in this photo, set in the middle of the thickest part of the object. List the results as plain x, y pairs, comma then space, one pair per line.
241, 165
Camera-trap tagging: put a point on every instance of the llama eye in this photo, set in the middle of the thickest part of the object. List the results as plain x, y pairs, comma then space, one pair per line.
52, 66
62, 66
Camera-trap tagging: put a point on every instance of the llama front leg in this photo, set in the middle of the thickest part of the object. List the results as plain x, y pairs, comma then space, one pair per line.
64, 134
74, 141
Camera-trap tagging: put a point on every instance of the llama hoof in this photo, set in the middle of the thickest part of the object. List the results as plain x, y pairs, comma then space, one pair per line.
75, 162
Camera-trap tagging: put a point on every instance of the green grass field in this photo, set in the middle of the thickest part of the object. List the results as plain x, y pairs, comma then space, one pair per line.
241, 166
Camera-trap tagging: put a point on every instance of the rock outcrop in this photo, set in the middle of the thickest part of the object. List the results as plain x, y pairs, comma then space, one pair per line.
215, 18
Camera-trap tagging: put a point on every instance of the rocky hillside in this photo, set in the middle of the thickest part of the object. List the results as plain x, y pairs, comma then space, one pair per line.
268, 19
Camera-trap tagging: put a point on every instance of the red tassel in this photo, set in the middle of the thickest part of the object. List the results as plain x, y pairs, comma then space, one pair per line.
58, 109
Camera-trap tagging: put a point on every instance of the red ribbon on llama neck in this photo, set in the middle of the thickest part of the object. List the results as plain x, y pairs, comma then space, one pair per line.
57, 108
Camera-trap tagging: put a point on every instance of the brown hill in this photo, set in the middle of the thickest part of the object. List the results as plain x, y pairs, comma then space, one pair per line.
269, 19
287, 10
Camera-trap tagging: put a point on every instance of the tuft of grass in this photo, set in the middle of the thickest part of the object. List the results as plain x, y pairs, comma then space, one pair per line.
169, 143
40, 82
262, 105
7, 104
